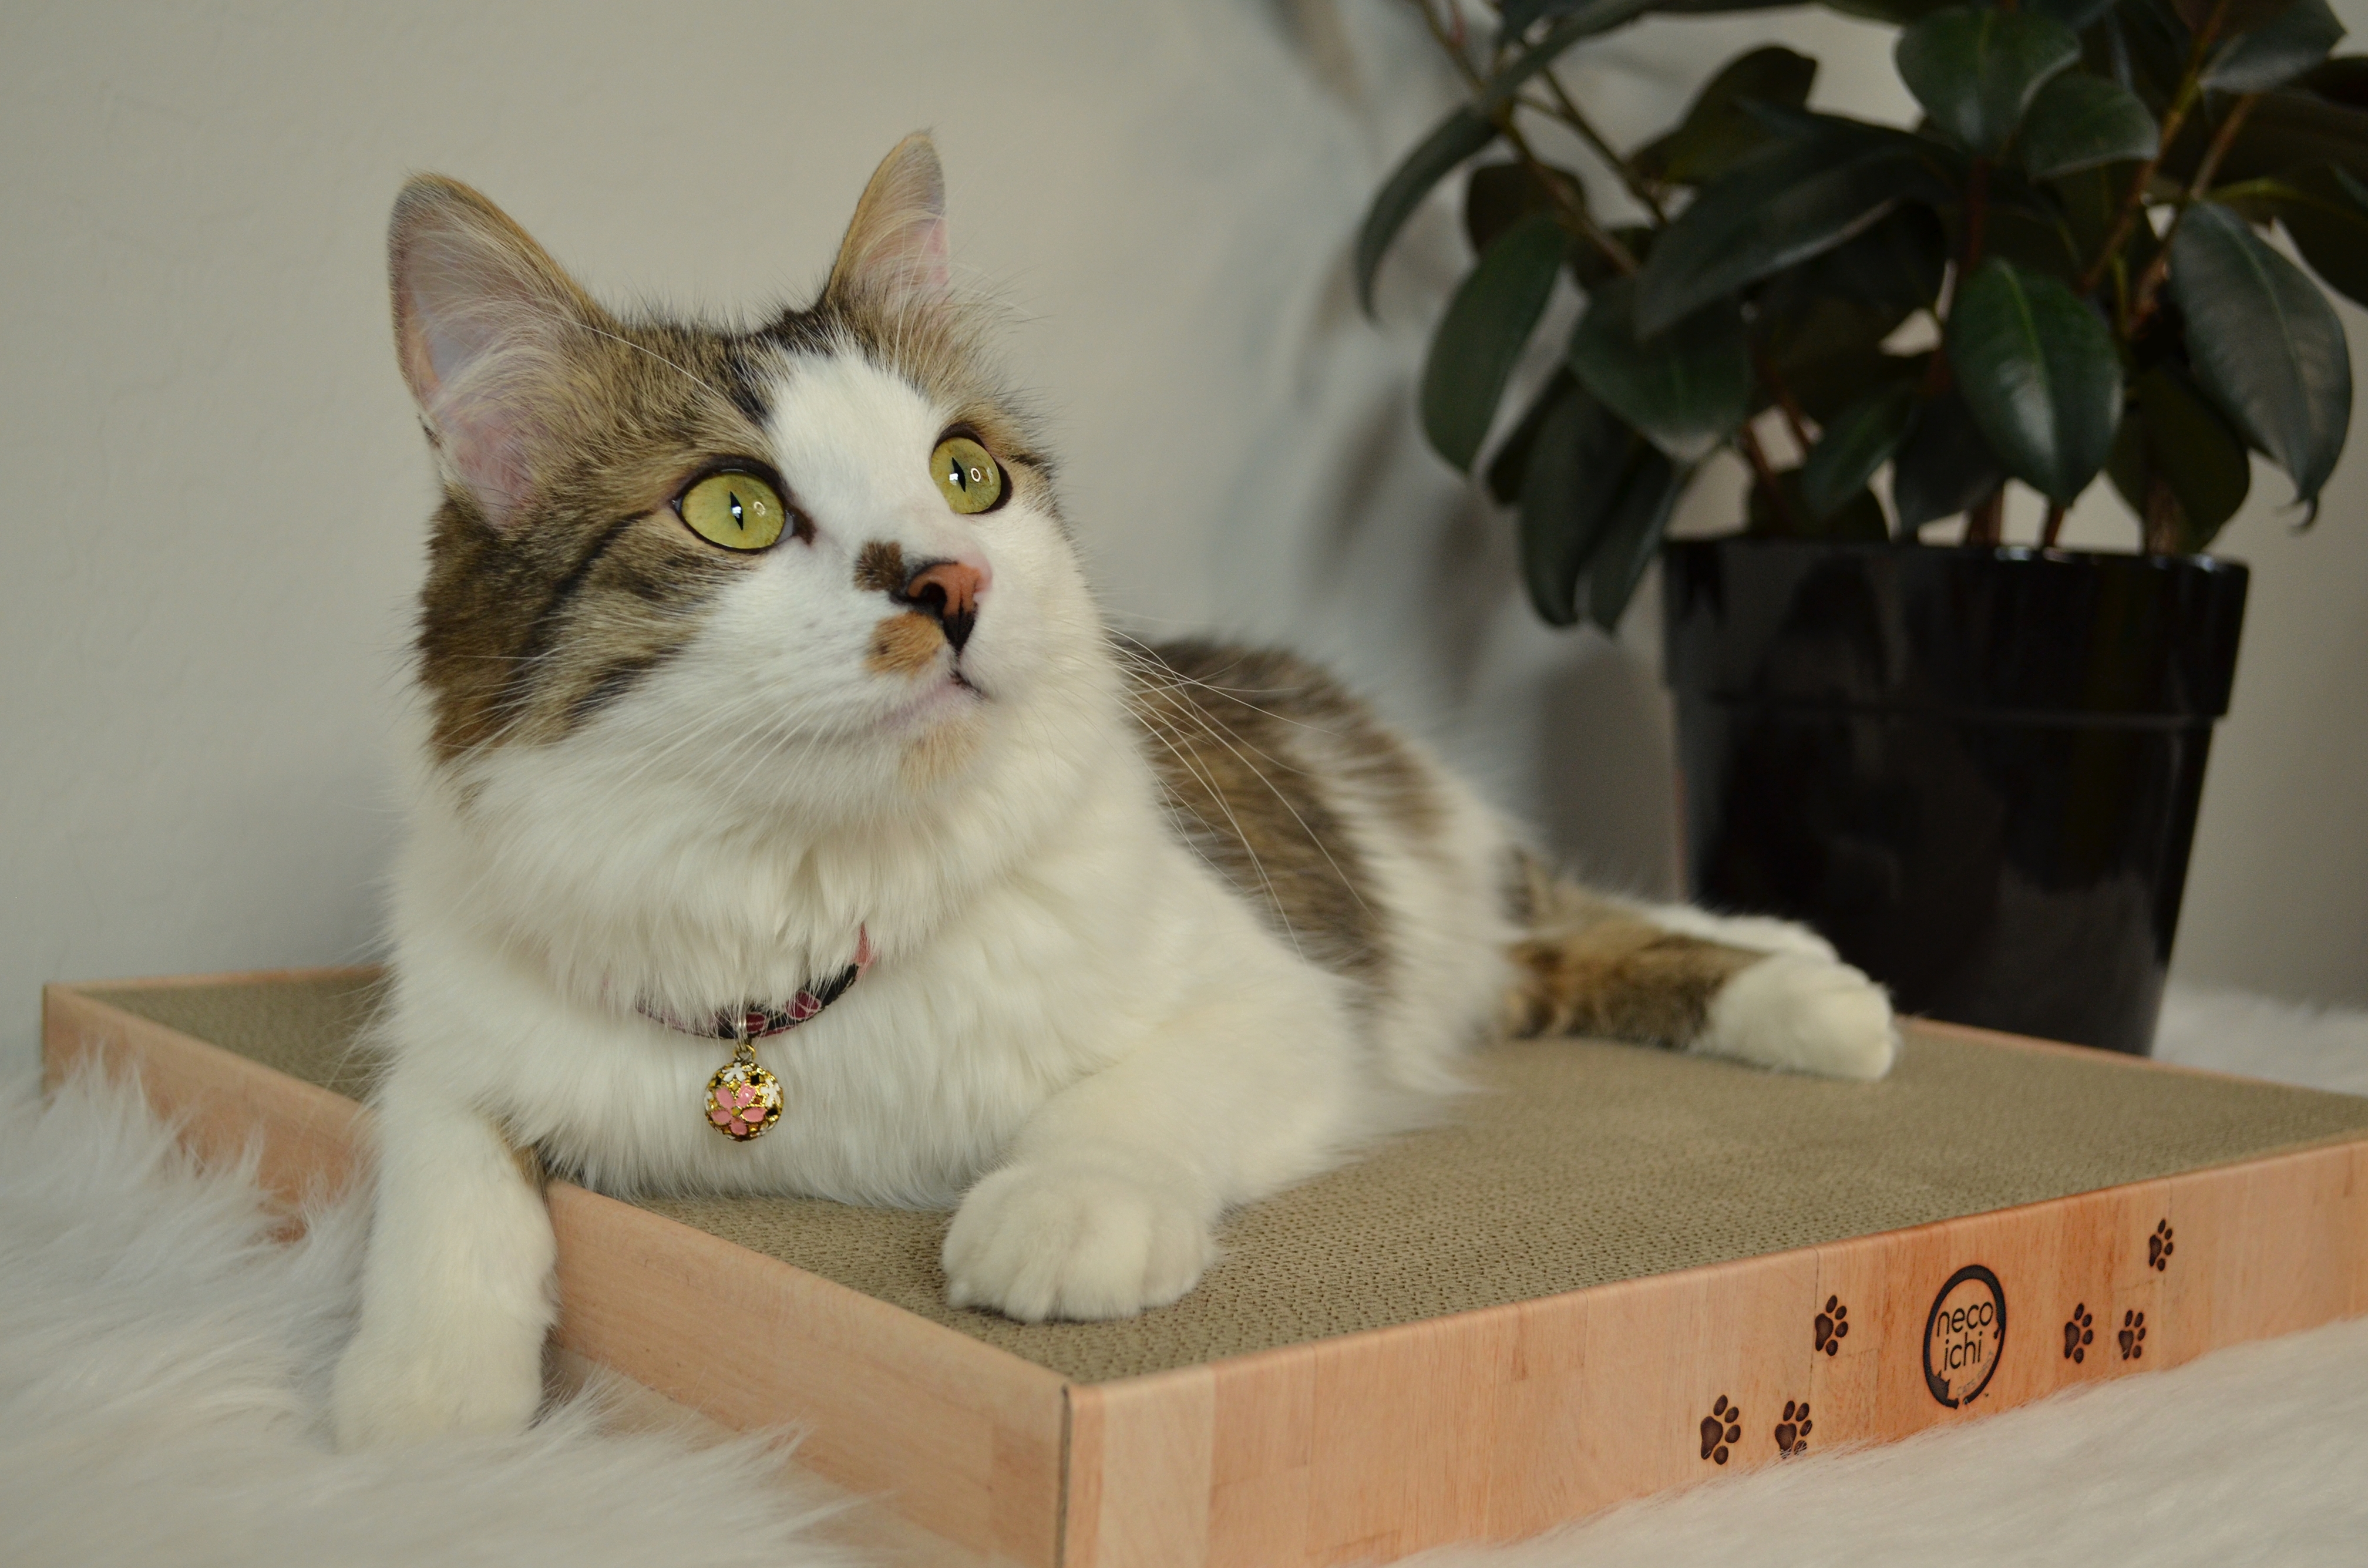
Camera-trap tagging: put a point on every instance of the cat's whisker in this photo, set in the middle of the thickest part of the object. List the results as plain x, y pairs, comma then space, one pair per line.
1216, 792
1227, 738
1142, 657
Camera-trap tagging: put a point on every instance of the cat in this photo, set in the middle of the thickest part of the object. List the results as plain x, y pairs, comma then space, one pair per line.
792, 822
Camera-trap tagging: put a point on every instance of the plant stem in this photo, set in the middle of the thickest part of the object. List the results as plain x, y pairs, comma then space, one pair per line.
1796, 418
1570, 203
2053, 528
1977, 206
2150, 281
2184, 99
1746, 441
1637, 184
1985, 518
2159, 523
1937, 375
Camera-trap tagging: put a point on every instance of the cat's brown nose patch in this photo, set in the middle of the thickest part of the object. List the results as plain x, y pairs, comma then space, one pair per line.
904, 644
880, 566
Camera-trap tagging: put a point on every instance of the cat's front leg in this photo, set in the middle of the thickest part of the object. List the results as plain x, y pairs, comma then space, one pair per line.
456, 1292
1108, 1200
1088, 1233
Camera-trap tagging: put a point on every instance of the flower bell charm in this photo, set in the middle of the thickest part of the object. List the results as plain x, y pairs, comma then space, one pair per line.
742, 1099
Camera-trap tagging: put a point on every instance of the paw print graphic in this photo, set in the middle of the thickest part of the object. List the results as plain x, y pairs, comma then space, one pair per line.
2078, 1334
1793, 1432
1833, 1324
2133, 1335
1721, 1429
2158, 1247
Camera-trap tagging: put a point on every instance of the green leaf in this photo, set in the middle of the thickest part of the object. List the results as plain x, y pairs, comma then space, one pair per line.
1789, 203
1481, 337
2277, 52
2242, 16
1568, 495
2174, 432
1976, 70
1820, 325
2079, 121
1518, 17
1943, 467
1896, 12
1827, 385
2292, 130
1854, 446
2031, 239
1632, 536
1450, 141
1858, 517
2078, 14
2326, 211
2146, 50
1718, 131
1509, 468
1498, 196
2342, 80
1594, 269
1894, 268
2265, 344
1686, 389
1828, 350
2039, 371
2091, 200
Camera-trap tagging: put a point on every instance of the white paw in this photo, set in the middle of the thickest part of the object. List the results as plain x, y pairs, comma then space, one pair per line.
1753, 933
393, 1389
1072, 1241
1804, 1013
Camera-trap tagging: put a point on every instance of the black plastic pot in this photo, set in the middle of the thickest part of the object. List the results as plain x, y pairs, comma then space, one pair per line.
1975, 770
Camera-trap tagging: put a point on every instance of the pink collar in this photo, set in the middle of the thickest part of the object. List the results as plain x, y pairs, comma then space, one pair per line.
755, 1020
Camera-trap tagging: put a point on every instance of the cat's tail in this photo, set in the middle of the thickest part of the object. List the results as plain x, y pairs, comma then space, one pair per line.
1747, 987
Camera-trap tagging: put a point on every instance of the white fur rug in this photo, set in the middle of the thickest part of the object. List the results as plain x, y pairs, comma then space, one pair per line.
163, 1359
163, 1368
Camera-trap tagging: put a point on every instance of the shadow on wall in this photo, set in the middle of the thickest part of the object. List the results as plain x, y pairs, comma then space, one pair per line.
1606, 805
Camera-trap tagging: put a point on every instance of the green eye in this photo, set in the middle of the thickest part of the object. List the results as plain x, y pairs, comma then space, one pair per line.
738, 511
970, 479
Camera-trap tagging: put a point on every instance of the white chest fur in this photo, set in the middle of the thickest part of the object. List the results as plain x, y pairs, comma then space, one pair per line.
901, 1092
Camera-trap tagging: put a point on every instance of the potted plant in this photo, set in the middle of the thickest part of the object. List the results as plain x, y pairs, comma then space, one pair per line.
1975, 765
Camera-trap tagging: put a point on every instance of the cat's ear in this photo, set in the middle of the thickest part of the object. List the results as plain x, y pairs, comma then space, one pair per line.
485, 323
894, 253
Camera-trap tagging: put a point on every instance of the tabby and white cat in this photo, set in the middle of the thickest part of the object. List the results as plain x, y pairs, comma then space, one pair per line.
766, 690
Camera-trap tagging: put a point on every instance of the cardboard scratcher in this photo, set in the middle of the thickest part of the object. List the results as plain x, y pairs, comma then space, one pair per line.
1610, 1272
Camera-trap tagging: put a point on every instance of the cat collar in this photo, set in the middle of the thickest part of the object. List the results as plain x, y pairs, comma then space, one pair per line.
744, 1100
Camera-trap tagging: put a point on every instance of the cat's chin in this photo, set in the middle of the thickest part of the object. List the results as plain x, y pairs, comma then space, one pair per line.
950, 698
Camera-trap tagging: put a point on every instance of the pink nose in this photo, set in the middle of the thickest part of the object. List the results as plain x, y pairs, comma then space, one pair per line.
948, 592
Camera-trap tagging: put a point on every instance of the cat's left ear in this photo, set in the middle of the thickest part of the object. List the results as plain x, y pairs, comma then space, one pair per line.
894, 253
488, 329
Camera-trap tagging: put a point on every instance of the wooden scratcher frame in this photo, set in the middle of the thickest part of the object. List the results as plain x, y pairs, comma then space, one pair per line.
1485, 1424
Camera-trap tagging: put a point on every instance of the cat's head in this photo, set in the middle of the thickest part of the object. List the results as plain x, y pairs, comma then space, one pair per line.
819, 561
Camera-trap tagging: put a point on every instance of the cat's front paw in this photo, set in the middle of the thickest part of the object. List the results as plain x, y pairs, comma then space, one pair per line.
393, 1388
1804, 1013
1037, 1241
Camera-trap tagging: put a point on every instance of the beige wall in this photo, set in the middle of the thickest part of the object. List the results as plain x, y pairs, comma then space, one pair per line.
215, 489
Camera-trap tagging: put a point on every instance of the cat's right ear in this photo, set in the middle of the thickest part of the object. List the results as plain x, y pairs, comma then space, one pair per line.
485, 322
894, 253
